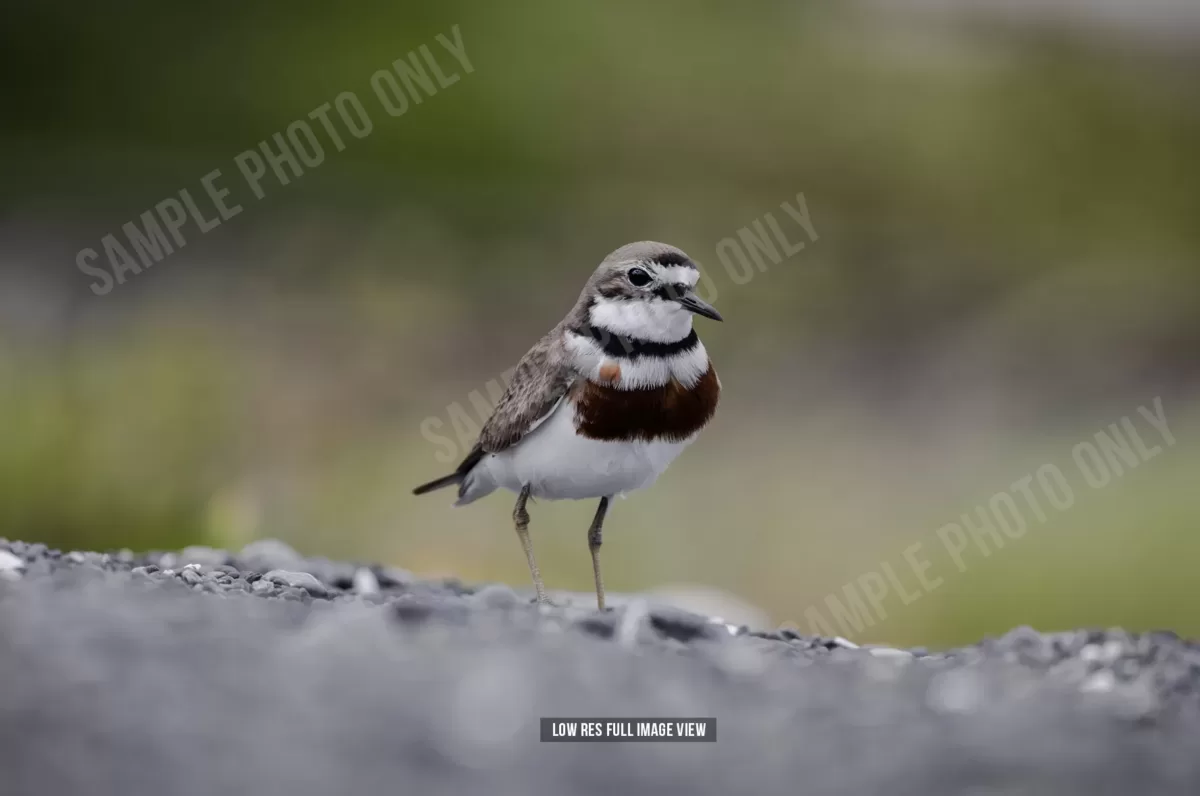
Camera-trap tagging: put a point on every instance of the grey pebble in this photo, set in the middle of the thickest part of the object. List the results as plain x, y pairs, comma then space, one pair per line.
394, 577
335, 573
497, 595
268, 554
685, 626
300, 580
418, 609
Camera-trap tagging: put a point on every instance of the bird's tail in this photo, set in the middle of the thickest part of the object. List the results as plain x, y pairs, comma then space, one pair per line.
457, 477
439, 483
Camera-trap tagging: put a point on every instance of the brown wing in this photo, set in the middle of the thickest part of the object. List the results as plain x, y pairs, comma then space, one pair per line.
541, 379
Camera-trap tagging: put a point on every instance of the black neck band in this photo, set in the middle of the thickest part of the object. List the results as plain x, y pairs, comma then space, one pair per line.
616, 345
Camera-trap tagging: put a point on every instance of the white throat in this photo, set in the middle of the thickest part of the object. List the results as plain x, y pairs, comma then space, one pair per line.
656, 320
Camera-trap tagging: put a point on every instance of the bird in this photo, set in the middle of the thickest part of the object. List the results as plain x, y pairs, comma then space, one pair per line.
604, 402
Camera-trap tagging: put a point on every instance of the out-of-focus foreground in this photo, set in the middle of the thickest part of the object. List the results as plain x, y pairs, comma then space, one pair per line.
1002, 263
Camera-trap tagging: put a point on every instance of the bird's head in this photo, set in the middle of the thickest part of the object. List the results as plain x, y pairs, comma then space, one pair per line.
646, 291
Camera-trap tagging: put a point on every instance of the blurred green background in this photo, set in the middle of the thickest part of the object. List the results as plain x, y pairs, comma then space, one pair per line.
1008, 210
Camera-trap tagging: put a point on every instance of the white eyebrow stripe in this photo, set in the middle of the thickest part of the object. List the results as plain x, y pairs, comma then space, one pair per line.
679, 274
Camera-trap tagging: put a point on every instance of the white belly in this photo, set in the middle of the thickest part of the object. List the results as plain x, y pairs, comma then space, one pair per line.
560, 464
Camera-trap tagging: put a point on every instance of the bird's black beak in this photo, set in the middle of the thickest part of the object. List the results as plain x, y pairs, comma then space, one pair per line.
692, 303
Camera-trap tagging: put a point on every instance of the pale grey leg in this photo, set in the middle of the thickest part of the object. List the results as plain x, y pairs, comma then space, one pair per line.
521, 520
594, 540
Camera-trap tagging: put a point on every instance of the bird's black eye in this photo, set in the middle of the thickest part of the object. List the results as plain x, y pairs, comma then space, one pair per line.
638, 277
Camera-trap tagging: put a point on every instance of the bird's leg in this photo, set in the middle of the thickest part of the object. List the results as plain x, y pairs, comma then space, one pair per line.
594, 540
521, 520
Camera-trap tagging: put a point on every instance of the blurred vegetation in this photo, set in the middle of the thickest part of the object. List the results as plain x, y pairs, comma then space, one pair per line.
1007, 262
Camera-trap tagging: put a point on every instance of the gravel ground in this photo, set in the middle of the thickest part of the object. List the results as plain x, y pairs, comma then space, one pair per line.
205, 672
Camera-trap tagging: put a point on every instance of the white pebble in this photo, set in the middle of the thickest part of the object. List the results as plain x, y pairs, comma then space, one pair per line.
1099, 683
9, 562
365, 581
